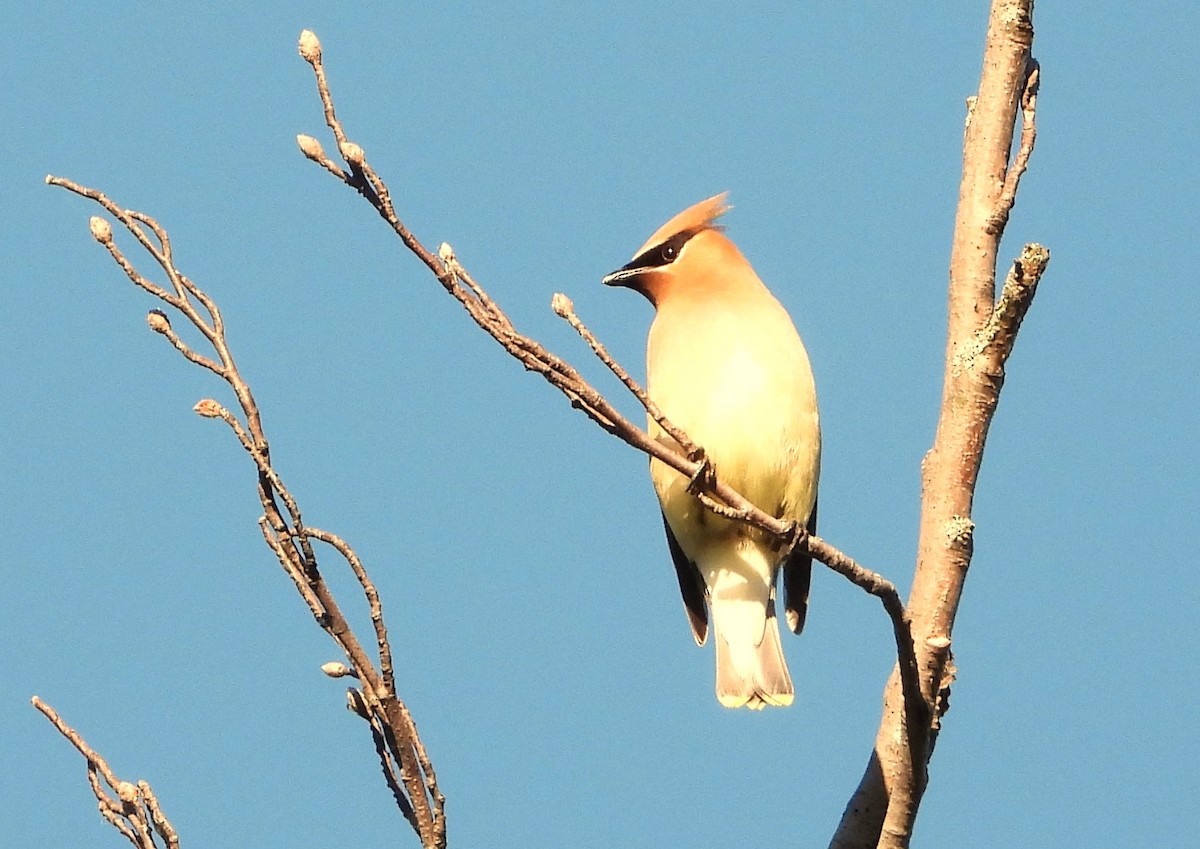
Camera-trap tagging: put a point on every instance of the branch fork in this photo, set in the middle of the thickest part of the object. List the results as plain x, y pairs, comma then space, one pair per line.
131, 808
981, 332
403, 760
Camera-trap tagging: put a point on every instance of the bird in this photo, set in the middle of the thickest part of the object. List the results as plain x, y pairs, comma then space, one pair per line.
726, 365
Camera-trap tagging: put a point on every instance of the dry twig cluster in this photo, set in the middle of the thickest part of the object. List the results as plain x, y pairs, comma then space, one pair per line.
406, 765
131, 808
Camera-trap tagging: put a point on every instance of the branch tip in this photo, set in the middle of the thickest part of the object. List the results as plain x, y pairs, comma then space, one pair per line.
1035, 257
209, 409
311, 148
1033, 81
356, 704
352, 153
336, 669
562, 305
310, 46
158, 321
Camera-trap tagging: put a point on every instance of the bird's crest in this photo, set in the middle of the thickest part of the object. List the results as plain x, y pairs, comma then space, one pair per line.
695, 218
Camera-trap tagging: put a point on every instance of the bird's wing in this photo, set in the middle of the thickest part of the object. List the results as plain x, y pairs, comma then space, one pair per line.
691, 585
797, 574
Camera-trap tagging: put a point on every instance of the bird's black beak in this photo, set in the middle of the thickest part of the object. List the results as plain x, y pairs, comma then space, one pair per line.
627, 274
620, 277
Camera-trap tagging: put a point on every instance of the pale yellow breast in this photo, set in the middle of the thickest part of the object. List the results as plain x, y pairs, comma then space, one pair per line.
737, 379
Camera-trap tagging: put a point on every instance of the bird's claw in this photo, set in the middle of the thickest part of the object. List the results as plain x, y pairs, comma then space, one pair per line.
705, 477
793, 537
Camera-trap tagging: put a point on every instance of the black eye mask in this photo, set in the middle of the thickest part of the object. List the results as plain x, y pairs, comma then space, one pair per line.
661, 254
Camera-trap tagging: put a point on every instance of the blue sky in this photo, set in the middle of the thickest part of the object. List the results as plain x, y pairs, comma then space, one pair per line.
540, 640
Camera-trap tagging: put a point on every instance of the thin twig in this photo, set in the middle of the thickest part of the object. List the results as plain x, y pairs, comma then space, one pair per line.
372, 595
283, 527
131, 808
564, 308
1012, 179
487, 315
159, 323
289, 559
491, 308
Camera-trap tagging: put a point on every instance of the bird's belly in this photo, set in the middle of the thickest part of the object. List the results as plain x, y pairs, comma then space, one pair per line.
757, 423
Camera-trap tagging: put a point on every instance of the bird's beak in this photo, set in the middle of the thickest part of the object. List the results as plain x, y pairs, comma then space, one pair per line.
627, 274
644, 281
620, 277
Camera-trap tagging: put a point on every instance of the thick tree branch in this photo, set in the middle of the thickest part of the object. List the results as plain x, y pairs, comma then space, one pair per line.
981, 332
408, 769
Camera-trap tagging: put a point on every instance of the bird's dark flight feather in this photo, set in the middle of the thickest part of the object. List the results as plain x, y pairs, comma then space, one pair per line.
691, 585
797, 574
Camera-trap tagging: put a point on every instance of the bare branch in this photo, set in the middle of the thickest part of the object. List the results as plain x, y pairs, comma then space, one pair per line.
981, 333
685, 456
159, 323
376, 608
1015, 298
490, 318
1012, 180
283, 528
311, 148
564, 308
290, 560
131, 808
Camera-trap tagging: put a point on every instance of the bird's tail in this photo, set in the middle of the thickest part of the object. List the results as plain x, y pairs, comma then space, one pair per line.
750, 673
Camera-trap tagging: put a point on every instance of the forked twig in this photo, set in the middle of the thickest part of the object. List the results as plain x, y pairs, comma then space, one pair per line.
981, 330
131, 808
284, 530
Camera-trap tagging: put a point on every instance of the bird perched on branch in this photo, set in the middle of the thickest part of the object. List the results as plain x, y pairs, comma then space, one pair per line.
725, 364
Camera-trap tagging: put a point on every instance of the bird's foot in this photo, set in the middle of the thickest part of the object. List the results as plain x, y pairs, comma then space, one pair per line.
795, 536
705, 477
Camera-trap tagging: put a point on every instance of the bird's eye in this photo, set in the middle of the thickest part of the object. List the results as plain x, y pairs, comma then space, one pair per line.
661, 254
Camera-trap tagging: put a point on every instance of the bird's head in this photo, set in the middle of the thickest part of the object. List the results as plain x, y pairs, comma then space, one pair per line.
687, 254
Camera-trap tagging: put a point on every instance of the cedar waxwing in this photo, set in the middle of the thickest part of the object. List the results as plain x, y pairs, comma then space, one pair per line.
724, 363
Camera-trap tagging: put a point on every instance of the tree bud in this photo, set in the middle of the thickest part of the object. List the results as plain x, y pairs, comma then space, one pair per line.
335, 669
310, 147
208, 408
310, 46
356, 704
561, 305
101, 230
158, 321
352, 153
